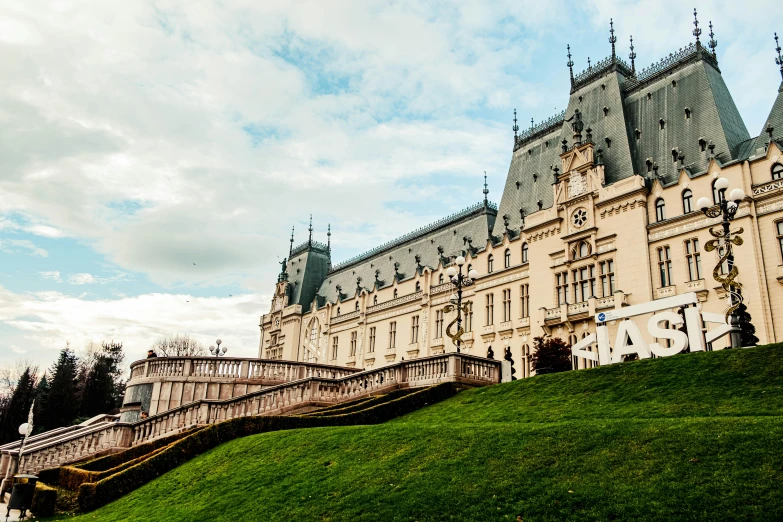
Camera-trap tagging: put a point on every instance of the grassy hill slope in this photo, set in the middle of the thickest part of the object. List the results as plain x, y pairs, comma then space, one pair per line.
691, 437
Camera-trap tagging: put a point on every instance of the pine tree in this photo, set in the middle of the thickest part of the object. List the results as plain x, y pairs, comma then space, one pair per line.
62, 405
41, 397
552, 355
18, 407
103, 387
747, 330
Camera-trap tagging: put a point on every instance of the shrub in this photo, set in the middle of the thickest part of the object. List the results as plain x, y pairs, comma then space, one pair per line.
44, 500
552, 355
93, 495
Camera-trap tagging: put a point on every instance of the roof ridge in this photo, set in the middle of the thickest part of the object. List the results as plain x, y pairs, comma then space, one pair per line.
412, 235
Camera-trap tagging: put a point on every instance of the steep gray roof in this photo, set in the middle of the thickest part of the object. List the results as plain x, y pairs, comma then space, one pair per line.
774, 120
306, 268
622, 112
449, 233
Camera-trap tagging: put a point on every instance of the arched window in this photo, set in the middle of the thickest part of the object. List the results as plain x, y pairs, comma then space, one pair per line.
338, 311
717, 197
687, 201
418, 286
440, 279
357, 306
524, 252
490, 263
375, 300
395, 293
580, 250
470, 267
777, 171
660, 209
507, 258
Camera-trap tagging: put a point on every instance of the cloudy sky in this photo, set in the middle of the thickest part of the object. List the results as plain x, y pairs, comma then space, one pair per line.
155, 155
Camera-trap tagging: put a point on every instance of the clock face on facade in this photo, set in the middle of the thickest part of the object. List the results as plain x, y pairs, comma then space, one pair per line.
579, 217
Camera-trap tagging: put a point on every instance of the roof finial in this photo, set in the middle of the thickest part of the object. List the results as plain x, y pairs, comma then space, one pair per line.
291, 249
589, 65
329, 237
486, 190
713, 43
515, 127
531, 123
696, 31
612, 38
779, 59
310, 228
570, 64
632, 56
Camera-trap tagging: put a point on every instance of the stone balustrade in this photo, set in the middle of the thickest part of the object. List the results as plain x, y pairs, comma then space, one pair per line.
333, 385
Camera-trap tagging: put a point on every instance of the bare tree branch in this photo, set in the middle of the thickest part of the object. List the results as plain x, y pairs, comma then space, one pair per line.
181, 345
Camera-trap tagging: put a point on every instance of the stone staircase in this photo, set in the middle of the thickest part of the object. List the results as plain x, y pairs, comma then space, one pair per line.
104, 434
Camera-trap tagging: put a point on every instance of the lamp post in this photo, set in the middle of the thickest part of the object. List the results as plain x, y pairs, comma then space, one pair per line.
459, 280
726, 208
217, 351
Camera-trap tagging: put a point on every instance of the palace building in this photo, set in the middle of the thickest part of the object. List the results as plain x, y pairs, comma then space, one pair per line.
598, 212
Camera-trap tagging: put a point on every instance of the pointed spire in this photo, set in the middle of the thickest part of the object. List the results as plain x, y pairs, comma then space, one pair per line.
486, 190
291, 248
570, 65
696, 30
589, 65
310, 229
612, 39
515, 128
632, 56
329, 237
531, 123
779, 59
713, 43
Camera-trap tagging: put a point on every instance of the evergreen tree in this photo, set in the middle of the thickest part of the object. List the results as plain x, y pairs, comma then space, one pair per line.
18, 407
63, 402
747, 330
552, 355
41, 396
103, 387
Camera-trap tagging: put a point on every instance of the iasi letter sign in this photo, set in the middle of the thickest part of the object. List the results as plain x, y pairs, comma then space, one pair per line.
661, 326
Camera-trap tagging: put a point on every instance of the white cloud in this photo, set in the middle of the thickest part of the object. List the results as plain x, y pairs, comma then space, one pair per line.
17, 349
52, 275
23, 246
50, 319
81, 279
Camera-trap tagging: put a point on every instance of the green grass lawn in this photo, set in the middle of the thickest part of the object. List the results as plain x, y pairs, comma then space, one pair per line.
691, 437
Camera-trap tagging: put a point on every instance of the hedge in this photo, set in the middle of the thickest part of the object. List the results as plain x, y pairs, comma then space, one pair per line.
93, 495
44, 500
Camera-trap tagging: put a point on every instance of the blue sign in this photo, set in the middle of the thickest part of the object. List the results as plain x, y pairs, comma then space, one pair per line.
601, 317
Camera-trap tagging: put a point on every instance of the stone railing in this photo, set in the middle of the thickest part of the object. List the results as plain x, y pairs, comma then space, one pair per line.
345, 317
443, 287
578, 308
395, 302
229, 368
604, 302
312, 391
552, 313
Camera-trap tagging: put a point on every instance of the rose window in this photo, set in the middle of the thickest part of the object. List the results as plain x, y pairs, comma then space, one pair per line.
579, 217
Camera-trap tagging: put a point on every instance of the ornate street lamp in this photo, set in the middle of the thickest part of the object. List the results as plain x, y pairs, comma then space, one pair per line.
459, 280
726, 208
217, 351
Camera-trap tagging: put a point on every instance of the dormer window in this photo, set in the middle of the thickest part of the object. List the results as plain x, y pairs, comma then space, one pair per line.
675, 153
540, 204
357, 306
660, 209
535, 178
490, 264
606, 111
674, 83
608, 141
702, 144
418, 286
638, 134
440, 279
507, 258
338, 311
517, 185
375, 300
687, 113
662, 123
395, 293
777, 171
649, 164
649, 96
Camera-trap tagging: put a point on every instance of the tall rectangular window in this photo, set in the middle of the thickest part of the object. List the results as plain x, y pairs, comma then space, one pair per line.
392, 334
415, 329
490, 309
506, 305
438, 324
562, 288
665, 266
334, 347
371, 348
607, 278
693, 258
469, 318
524, 301
779, 226
353, 344
583, 283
